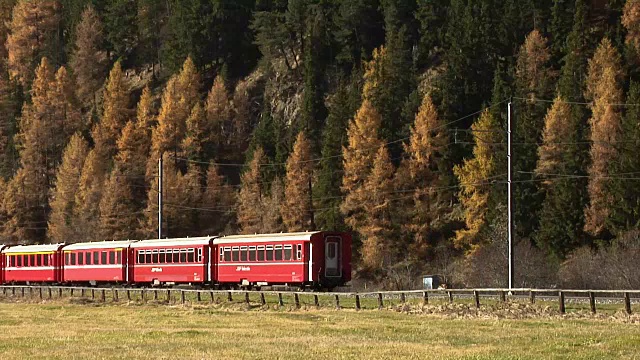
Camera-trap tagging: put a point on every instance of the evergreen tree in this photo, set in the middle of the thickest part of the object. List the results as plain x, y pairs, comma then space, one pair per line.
426, 172
297, 208
604, 87
32, 36
432, 24
118, 216
151, 16
62, 220
562, 15
271, 205
625, 199
378, 249
89, 60
115, 115
327, 195
359, 156
242, 121
9, 113
120, 27
475, 177
359, 28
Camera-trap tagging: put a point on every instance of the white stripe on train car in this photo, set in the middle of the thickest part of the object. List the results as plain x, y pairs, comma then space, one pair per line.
41, 268
261, 264
77, 267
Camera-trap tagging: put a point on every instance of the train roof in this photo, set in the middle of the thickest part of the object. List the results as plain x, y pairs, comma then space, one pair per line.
100, 245
32, 248
266, 237
202, 240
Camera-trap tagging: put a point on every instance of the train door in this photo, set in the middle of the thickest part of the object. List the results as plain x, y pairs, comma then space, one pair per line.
332, 256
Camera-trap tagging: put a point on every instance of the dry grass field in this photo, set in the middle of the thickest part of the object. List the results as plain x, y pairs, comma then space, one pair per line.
72, 329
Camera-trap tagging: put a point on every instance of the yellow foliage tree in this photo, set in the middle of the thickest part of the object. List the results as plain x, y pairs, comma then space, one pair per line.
62, 219
631, 21
218, 111
473, 175
552, 151
297, 209
250, 196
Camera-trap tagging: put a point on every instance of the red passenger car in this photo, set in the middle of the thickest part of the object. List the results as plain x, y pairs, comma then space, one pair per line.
33, 263
318, 259
172, 261
2, 266
97, 262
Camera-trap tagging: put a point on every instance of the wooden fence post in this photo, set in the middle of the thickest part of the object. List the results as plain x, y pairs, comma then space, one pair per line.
476, 297
503, 296
263, 301
142, 296
425, 298
22, 291
337, 298
229, 296
211, 295
532, 297
450, 294
182, 299
246, 298
561, 302
50, 293
627, 303
93, 293
199, 296
104, 295
402, 298
280, 302
60, 292
40, 288
128, 295
82, 292
115, 294
316, 301
592, 302
357, 302
296, 300
380, 302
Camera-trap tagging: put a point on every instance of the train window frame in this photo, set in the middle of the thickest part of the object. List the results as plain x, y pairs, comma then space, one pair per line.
252, 253
12, 261
112, 257
227, 253
147, 256
243, 253
67, 258
154, 256
87, 258
32, 259
176, 256
260, 252
19, 262
287, 252
73, 258
199, 255
103, 258
140, 256
183, 256
96, 258
46, 259
80, 258
299, 252
221, 253
235, 253
119, 257
277, 252
191, 255
269, 252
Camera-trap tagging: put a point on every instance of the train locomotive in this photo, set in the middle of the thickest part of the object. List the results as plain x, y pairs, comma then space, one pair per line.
318, 260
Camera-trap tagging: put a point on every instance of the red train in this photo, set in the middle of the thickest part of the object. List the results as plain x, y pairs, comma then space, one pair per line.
309, 259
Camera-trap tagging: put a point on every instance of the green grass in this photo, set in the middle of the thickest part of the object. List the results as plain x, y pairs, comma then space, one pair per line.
73, 329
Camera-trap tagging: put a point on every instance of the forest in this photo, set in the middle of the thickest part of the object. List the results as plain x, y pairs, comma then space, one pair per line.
385, 118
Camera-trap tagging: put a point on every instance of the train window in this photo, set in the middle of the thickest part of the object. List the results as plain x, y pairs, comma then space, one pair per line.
221, 253
87, 258
243, 253
119, 257
235, 253
32, 260
162, 257
176, 256
269, 252
13, 260
252, 253
277, 252
103, 258
227, 253
191, 255
147, 257
46, 260
199, 258
260, 253
183, 255
154, 256
80, 258
67, 258
73, 258
112, 257
288, 249
299, 252
140, 257
19, 260
96, 258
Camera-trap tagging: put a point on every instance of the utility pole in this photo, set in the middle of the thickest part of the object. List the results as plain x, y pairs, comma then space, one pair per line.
160, 197
509, 198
